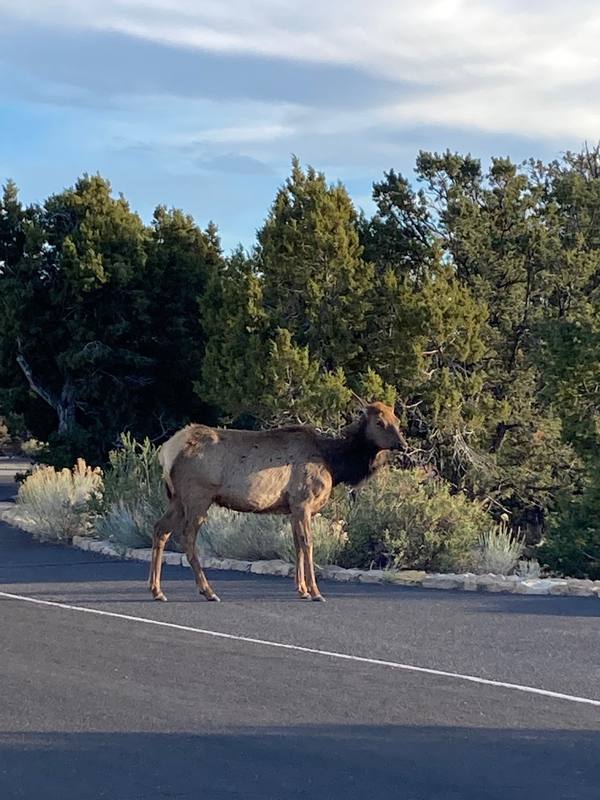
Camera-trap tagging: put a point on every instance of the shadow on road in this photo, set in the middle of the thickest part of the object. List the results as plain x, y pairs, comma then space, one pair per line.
426, 763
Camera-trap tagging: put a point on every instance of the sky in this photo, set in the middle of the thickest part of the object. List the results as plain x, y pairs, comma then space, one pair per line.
200, 104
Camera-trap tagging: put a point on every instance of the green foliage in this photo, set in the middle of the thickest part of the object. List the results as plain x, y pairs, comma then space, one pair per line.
99, 327
134, 496
133, 471
399, 519
314, 277
572, 546
277, 346
470, 298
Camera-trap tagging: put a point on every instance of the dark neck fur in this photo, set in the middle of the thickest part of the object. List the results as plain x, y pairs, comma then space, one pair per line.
351, 458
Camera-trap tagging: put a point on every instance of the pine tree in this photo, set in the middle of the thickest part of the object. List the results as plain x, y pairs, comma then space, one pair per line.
315, 282
181, 261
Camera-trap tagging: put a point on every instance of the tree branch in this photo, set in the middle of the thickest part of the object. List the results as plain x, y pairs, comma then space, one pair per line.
45, 394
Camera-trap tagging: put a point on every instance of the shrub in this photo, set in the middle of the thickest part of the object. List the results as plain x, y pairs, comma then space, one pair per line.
528, 568
134, 495
400, 520
228, 534
32, 448
573, 543
5, 437
498, 550
56, 505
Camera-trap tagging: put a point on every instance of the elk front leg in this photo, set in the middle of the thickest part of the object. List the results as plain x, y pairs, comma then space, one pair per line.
306, 548
300, 580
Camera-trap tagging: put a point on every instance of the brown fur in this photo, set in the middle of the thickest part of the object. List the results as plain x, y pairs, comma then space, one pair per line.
289, 470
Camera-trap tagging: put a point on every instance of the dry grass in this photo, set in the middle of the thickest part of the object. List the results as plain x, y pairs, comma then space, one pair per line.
498, 550
54, 504
252, 537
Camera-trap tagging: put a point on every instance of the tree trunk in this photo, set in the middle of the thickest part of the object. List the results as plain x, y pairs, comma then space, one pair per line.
64, 406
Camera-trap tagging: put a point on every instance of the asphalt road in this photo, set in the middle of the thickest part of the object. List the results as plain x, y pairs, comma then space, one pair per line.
95, 706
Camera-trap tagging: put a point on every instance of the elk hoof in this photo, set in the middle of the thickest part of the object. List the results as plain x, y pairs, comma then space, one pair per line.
213, 598
161, 597
318, 598
304, 595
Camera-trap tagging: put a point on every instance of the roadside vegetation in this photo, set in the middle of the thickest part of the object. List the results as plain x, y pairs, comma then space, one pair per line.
401, 519
470, 299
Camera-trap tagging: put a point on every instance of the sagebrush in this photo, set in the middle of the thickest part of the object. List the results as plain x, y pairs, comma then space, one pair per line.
229, 534
55, 504
498, 550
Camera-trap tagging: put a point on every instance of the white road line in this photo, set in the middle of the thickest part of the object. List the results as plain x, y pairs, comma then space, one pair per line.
312, 650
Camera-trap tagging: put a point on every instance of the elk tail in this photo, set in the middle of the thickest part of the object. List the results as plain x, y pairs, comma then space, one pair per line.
167, 454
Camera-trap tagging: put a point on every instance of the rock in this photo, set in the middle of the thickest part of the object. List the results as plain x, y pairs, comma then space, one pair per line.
491, 583
329, 571
346, 575
140, 553
109, 550
173, 559
81, 542
96, 545
408, 577
371, 576
275, 567
469, 580
534, 586
441, 581
580, 588
210, 562
559, 586
235, 564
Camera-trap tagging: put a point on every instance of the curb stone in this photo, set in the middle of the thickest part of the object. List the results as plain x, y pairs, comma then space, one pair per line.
468, 581
275, 567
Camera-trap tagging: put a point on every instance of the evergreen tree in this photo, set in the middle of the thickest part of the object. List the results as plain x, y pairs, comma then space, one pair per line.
316, 284
181, 261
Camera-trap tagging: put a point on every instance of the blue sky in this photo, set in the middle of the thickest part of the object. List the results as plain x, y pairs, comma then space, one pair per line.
200, 104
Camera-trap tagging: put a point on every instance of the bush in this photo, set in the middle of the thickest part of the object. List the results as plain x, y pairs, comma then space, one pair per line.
573, 543
498, 550
5, 437
528, 568
32, 448
134, 496
56, 505
400, 520
229, 534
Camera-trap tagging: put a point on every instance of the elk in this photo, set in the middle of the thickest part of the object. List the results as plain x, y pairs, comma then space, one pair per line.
288, 470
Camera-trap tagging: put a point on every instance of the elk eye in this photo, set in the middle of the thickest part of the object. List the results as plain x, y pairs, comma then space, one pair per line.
381, 423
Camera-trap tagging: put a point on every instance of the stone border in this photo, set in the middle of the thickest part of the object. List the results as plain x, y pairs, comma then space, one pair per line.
468, 581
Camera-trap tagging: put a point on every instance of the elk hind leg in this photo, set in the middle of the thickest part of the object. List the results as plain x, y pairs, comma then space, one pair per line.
194, 519
169, 523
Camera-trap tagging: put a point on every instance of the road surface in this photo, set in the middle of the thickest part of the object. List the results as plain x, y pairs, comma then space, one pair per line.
110, 705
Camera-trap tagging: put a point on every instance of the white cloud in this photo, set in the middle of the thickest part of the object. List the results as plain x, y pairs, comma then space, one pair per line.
527, 68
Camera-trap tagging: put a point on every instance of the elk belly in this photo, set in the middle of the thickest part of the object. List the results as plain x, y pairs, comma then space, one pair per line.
258, 491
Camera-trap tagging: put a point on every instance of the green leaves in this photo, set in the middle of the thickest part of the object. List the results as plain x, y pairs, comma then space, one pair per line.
470, 298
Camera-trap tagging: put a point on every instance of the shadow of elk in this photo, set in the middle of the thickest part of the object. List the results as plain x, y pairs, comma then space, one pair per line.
289, 470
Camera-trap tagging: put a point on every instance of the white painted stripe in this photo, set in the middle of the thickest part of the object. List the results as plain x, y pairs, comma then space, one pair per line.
311, 650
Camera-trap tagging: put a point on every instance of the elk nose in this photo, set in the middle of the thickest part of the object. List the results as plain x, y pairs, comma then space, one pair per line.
401, 444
